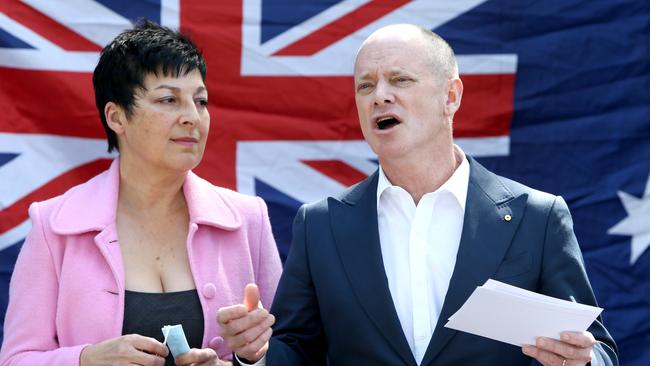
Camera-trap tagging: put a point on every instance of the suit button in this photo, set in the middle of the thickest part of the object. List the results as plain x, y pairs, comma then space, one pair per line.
209, 290
215, 343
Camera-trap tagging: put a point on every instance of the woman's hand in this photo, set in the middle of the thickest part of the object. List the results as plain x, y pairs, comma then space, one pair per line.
125, 350
201, 357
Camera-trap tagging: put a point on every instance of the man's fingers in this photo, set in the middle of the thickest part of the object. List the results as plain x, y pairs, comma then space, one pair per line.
250, 335
261, 343
256, 349
229, 313
564, 350
544, 357
246, 328
251, 297
252, 319
579, 339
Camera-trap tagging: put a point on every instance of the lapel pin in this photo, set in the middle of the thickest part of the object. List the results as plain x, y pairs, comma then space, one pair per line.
507, 218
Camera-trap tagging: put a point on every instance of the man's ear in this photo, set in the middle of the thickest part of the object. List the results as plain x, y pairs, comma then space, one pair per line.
454, 96
115, 117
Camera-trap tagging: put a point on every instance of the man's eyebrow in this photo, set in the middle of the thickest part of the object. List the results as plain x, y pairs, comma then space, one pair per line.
391, 72
364, 76
398, 70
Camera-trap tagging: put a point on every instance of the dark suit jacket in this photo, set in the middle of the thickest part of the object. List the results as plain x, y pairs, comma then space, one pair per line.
333, 303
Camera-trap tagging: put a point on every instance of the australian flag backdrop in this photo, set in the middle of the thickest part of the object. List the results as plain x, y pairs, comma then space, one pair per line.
557, 96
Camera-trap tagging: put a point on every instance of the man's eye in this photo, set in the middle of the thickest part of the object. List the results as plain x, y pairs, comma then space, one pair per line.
364, 86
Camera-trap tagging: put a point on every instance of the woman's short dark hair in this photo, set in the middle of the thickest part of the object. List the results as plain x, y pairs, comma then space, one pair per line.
123, 64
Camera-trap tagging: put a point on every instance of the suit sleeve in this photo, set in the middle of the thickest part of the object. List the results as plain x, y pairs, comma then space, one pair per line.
564, 276
298, 337
30, 335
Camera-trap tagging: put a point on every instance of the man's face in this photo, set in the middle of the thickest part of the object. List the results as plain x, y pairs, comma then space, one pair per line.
400, 100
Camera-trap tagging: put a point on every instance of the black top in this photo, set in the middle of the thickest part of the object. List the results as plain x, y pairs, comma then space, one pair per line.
146, 313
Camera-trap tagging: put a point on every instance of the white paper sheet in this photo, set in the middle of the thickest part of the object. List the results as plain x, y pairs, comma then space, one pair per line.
513, 315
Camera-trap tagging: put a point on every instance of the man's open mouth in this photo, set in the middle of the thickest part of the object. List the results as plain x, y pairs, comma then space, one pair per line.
384, 123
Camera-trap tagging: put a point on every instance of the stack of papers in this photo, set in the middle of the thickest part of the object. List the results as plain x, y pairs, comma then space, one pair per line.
513, 315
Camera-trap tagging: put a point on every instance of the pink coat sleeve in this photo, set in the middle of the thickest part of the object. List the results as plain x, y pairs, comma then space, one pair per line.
30, 334
269, 266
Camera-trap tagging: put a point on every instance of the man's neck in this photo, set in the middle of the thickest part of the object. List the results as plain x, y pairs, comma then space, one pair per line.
426, 175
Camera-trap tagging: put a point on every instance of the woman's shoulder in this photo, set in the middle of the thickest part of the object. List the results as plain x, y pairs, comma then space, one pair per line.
82, 207
238, 198
200, 192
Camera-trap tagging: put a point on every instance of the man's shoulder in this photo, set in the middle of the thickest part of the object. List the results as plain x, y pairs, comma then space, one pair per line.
509, 188
348, 196
519, 188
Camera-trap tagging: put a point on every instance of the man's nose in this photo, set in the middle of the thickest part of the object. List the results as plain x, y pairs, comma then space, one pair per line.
383, 93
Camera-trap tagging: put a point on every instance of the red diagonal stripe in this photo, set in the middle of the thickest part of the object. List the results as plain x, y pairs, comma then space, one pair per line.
486, 107
46, 26
49, 102
341, 28
337, 170
17, 213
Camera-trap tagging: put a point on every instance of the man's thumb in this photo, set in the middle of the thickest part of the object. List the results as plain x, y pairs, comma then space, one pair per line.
251, 296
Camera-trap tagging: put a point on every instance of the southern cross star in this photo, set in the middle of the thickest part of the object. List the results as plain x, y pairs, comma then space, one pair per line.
637, 222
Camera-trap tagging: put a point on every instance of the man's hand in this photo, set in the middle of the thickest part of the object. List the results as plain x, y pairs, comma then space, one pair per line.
573, 349
246, 327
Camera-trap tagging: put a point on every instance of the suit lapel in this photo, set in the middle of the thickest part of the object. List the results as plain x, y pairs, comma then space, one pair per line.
484, 241
355, 229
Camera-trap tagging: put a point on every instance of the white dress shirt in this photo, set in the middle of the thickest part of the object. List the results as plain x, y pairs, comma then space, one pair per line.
419, 244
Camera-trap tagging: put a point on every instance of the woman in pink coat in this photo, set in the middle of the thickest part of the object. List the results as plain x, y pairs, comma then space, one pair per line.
146, 243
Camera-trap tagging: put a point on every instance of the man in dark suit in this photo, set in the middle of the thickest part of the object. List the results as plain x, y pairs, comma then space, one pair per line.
374, 274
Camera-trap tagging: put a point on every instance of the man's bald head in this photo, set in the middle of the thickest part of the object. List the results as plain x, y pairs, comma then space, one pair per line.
441, 56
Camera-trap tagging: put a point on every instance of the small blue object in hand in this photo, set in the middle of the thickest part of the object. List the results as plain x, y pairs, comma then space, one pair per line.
175, 339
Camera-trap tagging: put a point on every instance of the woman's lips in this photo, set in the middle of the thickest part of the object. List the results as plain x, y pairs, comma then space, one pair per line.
186, 141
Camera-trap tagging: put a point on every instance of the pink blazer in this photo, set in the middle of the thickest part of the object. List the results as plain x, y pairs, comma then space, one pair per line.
67, 289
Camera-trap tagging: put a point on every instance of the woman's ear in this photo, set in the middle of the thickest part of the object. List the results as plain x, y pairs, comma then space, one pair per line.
115, 117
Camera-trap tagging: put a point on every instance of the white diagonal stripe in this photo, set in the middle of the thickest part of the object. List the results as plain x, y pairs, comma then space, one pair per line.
487, 64
88, 18
42, 158
25, 34
310, 25
338, 58
53, 60
484, 146
16, 233
170, 13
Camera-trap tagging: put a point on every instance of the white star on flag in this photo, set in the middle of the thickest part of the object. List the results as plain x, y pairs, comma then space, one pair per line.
637, 223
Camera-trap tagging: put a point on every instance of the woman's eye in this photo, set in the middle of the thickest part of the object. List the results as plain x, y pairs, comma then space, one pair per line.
168, 100
202, 102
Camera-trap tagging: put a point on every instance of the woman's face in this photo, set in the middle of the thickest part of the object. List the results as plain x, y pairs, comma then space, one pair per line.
169, 125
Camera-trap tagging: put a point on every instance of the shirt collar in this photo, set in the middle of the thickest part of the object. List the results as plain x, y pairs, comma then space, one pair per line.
457, 184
